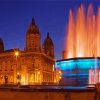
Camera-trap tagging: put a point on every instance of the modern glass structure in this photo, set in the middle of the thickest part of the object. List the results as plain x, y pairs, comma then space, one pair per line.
75, 71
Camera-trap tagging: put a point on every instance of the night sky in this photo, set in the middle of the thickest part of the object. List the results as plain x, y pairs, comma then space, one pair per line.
50, 16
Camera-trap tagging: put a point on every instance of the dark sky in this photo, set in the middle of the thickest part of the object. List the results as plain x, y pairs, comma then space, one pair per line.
50, 16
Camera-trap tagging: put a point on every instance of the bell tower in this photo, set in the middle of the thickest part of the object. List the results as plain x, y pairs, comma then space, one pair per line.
33, 37
48, 46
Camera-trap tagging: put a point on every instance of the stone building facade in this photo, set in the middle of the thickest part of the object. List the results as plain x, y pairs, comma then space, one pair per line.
33, 65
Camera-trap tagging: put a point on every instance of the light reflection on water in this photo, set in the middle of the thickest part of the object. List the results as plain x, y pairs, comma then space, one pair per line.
75, 87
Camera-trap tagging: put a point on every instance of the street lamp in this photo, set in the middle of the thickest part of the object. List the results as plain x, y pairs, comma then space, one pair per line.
59, 73
16, 53
18, 78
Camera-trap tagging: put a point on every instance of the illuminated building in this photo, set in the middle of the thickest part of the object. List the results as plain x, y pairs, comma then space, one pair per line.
33, 65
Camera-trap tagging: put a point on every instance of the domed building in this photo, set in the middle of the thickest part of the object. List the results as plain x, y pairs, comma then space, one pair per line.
48, 46
33, 65
1, 45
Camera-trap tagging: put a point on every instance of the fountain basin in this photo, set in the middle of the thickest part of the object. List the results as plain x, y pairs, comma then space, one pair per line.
78, 71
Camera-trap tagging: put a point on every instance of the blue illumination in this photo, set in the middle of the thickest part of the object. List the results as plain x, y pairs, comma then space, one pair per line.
81, 64
77, 70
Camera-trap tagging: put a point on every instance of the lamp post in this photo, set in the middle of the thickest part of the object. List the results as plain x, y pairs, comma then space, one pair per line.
17, 69
16, 54
59, 76
18, 78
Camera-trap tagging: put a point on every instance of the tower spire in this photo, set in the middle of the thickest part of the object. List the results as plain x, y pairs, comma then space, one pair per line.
48, 35
33, 21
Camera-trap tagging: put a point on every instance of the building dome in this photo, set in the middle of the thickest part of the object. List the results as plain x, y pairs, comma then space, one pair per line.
48, 46
1, 45
33, 29
48, 41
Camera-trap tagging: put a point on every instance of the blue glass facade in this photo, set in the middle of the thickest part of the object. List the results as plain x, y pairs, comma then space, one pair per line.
75, 71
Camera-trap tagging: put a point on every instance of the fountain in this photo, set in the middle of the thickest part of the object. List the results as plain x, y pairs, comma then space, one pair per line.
83, 35
81, 63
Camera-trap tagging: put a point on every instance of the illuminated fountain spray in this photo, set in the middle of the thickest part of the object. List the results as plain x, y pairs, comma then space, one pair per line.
83, 38
80, 33
70, 37
83, 35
